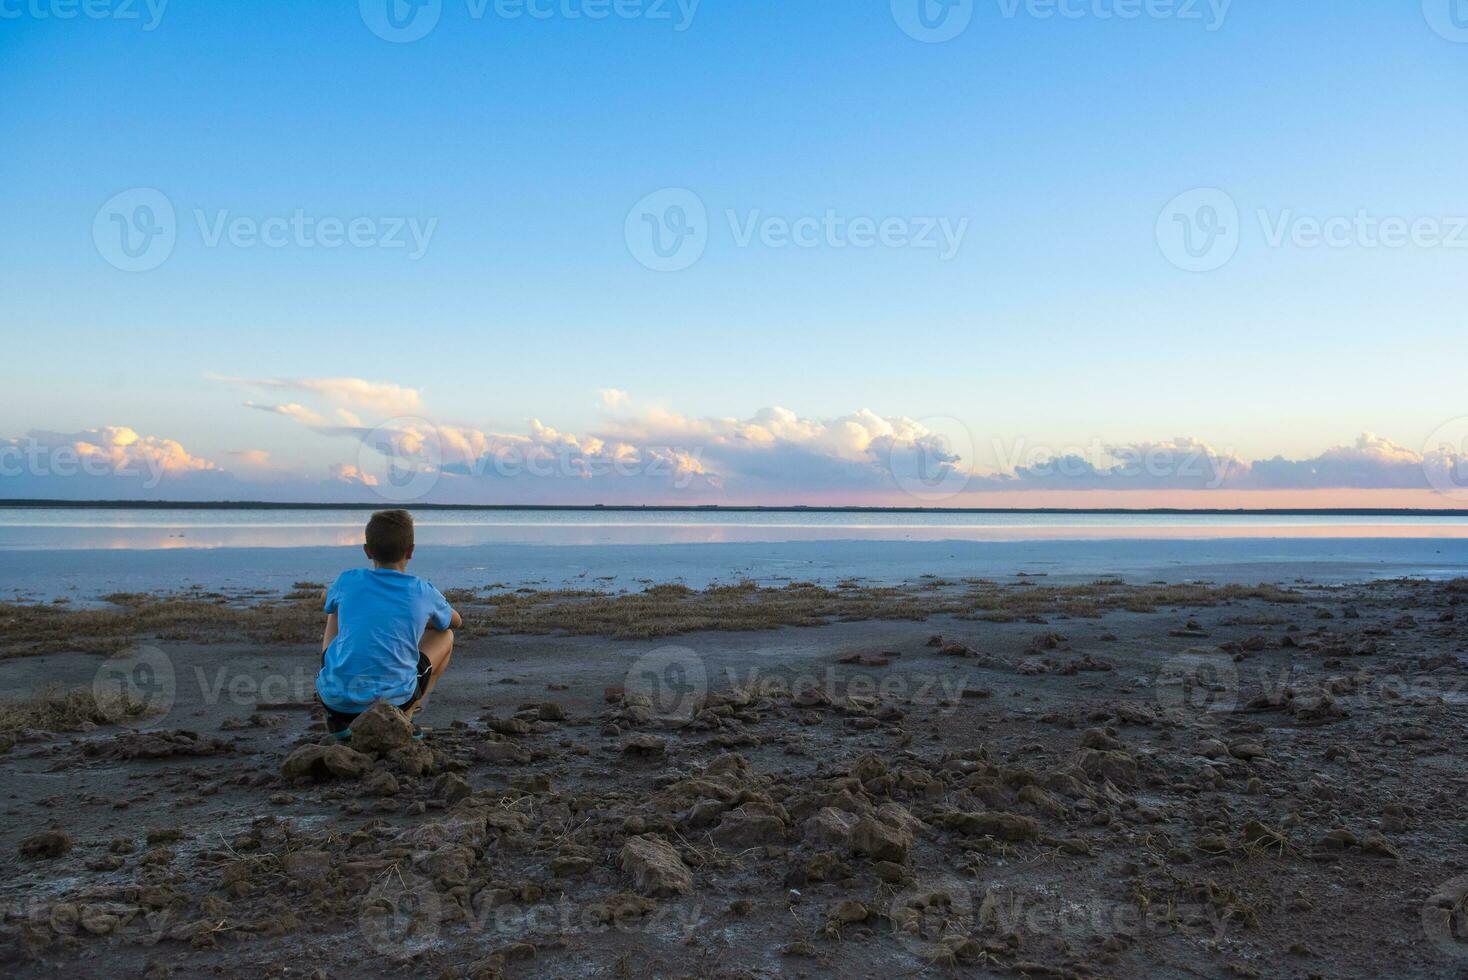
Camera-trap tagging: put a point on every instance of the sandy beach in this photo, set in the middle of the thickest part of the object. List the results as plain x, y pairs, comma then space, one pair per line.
1016, 778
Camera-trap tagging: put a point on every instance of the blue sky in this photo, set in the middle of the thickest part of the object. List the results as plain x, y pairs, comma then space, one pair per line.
523, 143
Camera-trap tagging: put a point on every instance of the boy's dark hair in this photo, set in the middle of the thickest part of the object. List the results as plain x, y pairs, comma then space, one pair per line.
390, 536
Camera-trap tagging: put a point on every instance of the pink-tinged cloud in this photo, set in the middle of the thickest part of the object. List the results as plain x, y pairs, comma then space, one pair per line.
380, 398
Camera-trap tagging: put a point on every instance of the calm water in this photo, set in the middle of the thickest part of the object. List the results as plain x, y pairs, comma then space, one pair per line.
65, 528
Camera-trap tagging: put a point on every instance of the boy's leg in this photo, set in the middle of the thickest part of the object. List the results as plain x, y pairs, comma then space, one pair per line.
438, 647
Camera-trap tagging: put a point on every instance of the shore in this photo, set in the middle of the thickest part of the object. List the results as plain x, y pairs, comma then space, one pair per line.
1026, 778
85, 574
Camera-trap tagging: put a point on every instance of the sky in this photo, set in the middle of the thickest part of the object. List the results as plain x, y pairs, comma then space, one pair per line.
890, 252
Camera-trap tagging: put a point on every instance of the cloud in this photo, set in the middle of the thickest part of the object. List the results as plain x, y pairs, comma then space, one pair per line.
374, 396
655, 455
344, 473
73, 464
612, 399
1371, 461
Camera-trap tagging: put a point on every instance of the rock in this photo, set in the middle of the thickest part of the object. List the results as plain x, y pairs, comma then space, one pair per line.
1246, 750
656, 867
621, 907
413, 759
508, 726
381, 783
1212, 748
1376, 844
846, 913
506, 753
1338, 840
830, 828
748, 827
645, 745
47, 844
800, 948
880, 841
381, 729
451, 788
321, 762
989, 823
1119, 767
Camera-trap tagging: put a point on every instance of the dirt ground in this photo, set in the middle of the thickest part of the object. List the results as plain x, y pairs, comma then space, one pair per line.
1098, 783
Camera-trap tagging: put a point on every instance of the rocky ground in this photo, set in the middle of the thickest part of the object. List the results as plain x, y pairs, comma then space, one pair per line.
1214, 783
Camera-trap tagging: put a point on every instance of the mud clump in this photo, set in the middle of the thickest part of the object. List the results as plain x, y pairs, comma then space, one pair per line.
656, 867
381, 730
47, 844
322, 762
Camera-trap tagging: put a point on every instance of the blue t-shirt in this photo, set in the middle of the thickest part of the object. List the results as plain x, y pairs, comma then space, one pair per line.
381, 616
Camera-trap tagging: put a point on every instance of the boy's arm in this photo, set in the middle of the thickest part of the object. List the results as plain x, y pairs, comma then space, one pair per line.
456, 620
330, 632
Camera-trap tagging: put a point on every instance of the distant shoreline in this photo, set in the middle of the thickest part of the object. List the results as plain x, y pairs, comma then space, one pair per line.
720, 509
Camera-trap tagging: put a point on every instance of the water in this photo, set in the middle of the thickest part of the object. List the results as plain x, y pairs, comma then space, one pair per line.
52, 529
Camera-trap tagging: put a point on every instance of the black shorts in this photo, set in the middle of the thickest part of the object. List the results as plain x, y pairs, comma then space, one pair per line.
338, 721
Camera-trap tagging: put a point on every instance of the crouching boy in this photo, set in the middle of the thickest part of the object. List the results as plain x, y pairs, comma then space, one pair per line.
389, 635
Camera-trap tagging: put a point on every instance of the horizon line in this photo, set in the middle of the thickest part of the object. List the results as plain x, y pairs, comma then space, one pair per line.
40, 502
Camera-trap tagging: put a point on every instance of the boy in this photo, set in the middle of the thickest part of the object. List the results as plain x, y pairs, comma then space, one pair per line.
389, 635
